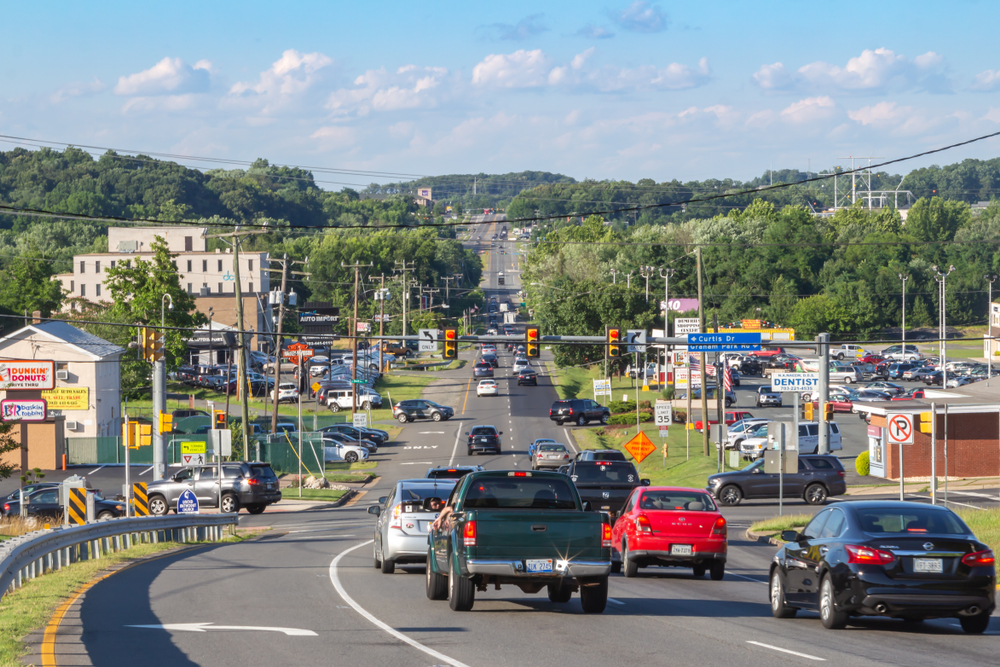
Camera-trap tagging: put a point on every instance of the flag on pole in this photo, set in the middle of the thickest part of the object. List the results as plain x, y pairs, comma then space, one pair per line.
727, 379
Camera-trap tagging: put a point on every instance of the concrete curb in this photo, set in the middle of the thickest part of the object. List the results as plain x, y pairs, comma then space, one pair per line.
762, 538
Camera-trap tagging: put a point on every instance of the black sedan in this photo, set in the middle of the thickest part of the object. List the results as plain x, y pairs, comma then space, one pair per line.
43, 504
27, 489
893, 559
484, 439
378, 436
527, 376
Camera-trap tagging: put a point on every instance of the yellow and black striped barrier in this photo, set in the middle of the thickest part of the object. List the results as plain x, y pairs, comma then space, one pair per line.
140, 502
77, 506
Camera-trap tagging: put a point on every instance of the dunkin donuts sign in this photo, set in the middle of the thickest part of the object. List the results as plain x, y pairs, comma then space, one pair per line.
27, 374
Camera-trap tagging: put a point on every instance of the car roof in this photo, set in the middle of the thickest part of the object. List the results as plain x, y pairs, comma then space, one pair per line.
688, 489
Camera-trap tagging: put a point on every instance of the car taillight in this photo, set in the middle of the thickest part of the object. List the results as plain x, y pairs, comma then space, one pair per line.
978, 558
396, 521
6, 507
868, 555
642, 524
606, 535
840, 472
253, 481
469, 534
539, 455
565, 456
720, 527
571, 410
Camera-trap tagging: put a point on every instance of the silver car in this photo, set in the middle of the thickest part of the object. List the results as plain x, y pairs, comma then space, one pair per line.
403, 524
550, 455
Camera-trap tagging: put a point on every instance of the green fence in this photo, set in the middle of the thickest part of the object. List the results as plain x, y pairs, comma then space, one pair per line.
282, 452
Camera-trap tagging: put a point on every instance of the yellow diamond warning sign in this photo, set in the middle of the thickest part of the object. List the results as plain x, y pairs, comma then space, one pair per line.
640, 447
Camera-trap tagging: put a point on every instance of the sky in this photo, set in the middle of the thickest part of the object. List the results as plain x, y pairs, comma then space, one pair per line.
616, 89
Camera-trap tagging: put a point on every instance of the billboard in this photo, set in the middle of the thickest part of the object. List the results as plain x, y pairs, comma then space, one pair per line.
29, 410
681, 305
27, 374
68, 398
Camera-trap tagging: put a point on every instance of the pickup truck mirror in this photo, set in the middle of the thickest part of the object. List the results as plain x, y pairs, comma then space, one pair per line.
433, 504
790, 536
644, 482
586, 506
573, 477
375, 509
382, 499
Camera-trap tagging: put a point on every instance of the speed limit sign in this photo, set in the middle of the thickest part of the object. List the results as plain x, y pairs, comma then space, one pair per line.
663, 415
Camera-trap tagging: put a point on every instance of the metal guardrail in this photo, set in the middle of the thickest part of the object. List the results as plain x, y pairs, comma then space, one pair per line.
31, 555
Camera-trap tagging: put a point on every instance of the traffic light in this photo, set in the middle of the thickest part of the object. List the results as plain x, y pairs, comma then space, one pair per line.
828, 412
220, 420
145, 436
450, 344
166, 423
151, 343
128, 434
614, 337
807, 411
531, 335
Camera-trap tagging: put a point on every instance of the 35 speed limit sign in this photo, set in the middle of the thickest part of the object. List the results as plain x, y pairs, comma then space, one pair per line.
663, 414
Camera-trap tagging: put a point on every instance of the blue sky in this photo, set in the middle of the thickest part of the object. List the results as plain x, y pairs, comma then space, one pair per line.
606, 90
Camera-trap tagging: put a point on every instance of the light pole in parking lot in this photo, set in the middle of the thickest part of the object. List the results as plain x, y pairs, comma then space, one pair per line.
646, 272
942, 279
990, 278
904, 278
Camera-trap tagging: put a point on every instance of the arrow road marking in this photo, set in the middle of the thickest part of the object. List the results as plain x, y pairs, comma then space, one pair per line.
203, 627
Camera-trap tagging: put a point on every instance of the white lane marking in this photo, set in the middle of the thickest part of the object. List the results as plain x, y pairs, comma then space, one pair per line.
416, 463
146, 470
305, 537
756, 581
454, 450
785, 650
318, 530
569, 440
94, 470
431, 433
335, 579
614, 601
202, 627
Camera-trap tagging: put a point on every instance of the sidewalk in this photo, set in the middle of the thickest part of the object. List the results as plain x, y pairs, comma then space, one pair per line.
922, 484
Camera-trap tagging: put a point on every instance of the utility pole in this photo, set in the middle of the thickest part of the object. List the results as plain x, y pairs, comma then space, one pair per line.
430, 292
823, 345
646, 272
942, 278
614, 276
447, 290
701, 355
720, 390
904, 278
665, 273
277, 344
406, 291
354, 336
381, 323
990, 278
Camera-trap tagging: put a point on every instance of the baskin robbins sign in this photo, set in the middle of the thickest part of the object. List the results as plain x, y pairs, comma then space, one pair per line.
27, 374
30, 410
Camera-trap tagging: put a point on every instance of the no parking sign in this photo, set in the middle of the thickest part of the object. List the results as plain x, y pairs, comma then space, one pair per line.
900, 429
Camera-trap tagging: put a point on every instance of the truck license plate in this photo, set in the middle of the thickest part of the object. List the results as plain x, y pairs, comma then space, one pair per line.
538, 565
680, 550
930, 565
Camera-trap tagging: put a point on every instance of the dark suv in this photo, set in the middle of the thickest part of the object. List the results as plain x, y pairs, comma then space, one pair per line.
600, 455
419, 408
578, 410
456, 472
818, 477
483, 439
251, 485
482, 369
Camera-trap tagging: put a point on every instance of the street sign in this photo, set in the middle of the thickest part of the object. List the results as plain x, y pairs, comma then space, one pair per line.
723, 342
664, 432
193, 453
636, 340
640, 447
664, 414
794, 381
602, 388
360, 420
34, 410
222, 441
187, 502
686, 325
316, 386
357, 381
428, 340
900, 429
364, 327
296, 350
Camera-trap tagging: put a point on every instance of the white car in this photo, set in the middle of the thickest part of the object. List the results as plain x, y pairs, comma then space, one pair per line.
849, 352
753, 447
487, 388
334, 452
739, 431
287, 391
520, 365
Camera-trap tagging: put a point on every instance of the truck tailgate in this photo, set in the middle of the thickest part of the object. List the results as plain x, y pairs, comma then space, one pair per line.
604, 497
537, 533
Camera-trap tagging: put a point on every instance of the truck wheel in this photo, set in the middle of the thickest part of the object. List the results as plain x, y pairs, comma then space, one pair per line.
559, 592
158, 506
581, 421
335, 407
365, 405
730, 495
605, 417
437, 584
230, 504
256, 508
559, 423
461, 591
699, 571
594, 597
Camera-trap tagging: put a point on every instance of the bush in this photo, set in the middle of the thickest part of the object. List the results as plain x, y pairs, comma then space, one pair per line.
645, 405
618, 407
680, 416
862, 464
627, 418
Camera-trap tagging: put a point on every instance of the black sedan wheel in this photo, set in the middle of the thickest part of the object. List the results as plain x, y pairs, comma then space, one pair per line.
778, 607
815, 494
832, 619
730, 495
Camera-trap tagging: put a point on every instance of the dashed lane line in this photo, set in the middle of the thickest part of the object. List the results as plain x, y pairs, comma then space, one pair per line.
785, 650
454, 450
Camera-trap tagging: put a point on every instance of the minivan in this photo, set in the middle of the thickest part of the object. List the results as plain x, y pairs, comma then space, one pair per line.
755, 443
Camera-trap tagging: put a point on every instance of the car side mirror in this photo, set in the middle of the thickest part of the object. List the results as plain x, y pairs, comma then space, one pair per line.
500, 433
375, 509
466, 433
382, 499
791, 536
756, 471
433, 504
586, 506
644, 482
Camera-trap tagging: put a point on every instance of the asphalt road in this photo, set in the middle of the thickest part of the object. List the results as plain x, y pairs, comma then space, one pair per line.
313, 572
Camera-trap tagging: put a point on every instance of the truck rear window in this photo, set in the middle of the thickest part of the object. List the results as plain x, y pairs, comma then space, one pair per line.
520, 493
609, 472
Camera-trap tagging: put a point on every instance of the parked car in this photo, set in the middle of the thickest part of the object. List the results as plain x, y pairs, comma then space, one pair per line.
333, 436
550, 455
483, 439
527, 376
961, 381
751, 366
845, 374
335, 449
27, 489
911, 395
765, 397
886, 387
728, 417
755, 443
181, 414
403, 521
729, 400
739, 431
933, 378
421, 408
895, 371
251, 485
891, 559
581, 411
42, 504
288, 392
848, 351
671, 527
456, 472
920, 374
343, 399
869, 396
896, 352
378, 436
818, 478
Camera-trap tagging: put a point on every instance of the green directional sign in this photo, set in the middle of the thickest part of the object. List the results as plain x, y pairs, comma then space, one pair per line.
357, 381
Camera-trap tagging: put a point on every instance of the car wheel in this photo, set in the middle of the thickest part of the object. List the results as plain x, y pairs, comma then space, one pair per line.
461, 591
437, 584
975, 625
699, 571
828, 614
840, 356
366, 405
630, 567
581, 421
559, 592
378, 561
730, 495
848, 380
388, 566
718, 569
594, 595
158, 506
559, 423
402, 419
256, 508
436, 416
605, 417
351, 457
105, 515
815, 494
334, 407
778, 607
230, 504
729, 403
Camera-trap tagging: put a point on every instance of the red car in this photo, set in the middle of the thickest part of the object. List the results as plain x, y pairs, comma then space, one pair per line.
672, 527
871, 359
731, 418
911, 395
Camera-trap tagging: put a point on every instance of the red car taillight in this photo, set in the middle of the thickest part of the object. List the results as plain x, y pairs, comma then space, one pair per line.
6, 507
606, 535
539, 455
868, 555
979, 558
642, 524
253, 481
469, 534
719, 528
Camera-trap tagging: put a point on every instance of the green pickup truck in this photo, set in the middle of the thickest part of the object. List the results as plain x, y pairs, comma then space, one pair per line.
529, 529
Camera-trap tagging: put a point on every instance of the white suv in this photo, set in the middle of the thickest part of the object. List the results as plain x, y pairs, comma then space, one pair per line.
753, 448
287, 391
520, 365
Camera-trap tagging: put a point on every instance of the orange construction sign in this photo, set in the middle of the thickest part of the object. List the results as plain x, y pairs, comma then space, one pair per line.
640, 447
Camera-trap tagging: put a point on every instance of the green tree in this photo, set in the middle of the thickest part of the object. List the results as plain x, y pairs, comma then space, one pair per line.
26, 285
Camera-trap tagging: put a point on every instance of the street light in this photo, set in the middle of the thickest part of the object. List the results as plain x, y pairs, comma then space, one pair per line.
646, 272
942, 278
904, 278
990, 278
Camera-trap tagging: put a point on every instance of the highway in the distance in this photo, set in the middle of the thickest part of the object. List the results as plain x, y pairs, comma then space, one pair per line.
308, 593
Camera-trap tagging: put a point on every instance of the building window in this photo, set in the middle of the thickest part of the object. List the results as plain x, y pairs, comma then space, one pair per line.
97, 266
189, 266
220, 288
204, 266
112, 264
188, 245
251, 288
71, 286
98, 289
83, 290
83, 266
250, 265
189, 288
220, 266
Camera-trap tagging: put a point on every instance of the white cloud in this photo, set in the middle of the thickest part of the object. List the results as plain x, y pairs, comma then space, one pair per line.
993, 115
409, 87
78, 89
674, 76
642, 16
154, 103
880, 114
521, 69
773, 77
290, 77
987, 80
809, 110
333, 137
874, 70
928, 60
594, 32
170, 76
899, 120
